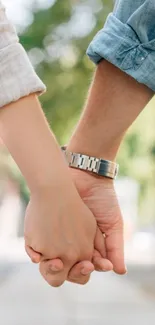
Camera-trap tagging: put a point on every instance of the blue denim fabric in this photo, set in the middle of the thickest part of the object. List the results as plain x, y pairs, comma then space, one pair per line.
127, 40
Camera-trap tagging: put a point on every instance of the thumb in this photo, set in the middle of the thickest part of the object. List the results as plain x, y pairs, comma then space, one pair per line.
115, 250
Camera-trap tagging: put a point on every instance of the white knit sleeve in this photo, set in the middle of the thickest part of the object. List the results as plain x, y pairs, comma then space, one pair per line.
17, 76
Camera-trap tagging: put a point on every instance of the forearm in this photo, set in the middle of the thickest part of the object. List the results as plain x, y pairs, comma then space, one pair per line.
27, 136
23, 126
115, 100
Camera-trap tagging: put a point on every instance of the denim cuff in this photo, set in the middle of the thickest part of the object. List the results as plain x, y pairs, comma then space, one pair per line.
119, 44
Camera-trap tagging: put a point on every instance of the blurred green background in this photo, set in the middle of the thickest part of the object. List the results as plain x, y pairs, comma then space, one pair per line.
56, 37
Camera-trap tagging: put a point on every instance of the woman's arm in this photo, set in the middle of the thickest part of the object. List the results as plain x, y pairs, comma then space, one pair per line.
58, 225
26, 134
57, 221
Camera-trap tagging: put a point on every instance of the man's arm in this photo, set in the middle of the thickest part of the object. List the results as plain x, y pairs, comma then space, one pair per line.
115, 100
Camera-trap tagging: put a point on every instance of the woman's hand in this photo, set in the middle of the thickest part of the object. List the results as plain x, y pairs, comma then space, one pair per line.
99, 195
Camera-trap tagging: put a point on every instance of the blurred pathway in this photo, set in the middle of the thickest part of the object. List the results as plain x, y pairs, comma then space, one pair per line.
25, 299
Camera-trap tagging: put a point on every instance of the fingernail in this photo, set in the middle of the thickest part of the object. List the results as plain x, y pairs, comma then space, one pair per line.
85, 272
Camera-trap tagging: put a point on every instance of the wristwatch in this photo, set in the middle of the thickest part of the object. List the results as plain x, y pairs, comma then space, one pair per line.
99, 166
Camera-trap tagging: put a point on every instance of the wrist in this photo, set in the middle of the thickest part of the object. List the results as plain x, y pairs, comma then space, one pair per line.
114, 102
51, 174
32, 144
88, 145
60, 189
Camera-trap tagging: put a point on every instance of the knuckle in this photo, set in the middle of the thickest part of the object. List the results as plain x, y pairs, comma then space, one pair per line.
55, 283
53, 280
83, 280
33, 243
33, 260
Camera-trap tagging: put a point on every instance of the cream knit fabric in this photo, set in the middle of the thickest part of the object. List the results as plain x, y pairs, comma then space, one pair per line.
17, 76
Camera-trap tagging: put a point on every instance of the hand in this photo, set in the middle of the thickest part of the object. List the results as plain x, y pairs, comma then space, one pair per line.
59, 232
99, 195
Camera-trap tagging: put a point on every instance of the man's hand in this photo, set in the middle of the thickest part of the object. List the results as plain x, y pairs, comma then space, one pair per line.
99, 195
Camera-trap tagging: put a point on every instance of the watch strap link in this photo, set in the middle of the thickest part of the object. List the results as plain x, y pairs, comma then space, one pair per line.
95, 165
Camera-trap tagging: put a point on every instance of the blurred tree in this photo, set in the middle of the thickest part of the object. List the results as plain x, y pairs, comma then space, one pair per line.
137, 159
56, 42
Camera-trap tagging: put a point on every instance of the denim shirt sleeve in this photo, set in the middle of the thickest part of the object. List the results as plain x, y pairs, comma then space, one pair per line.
17, 76
127, 40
